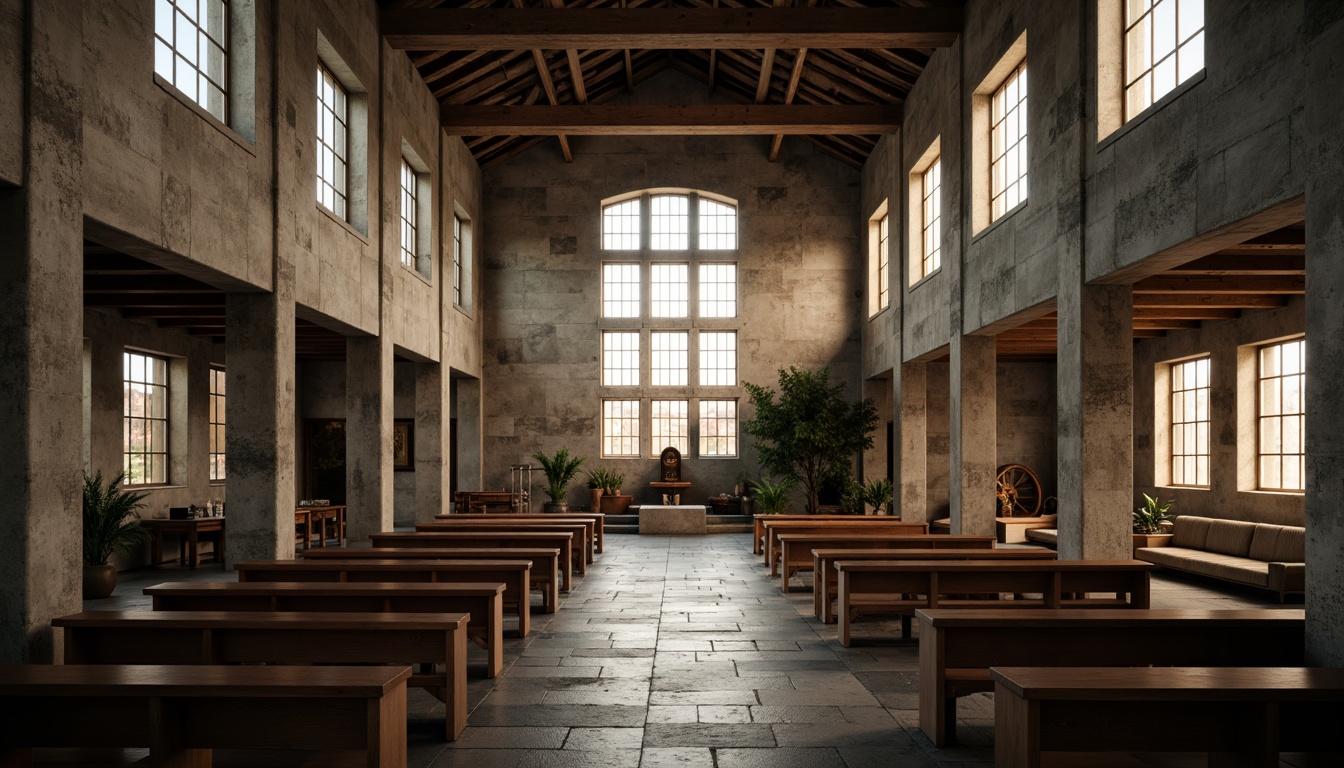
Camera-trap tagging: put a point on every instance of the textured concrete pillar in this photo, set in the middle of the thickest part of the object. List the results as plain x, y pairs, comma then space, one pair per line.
431, 442
974, 434
911, 441
1096, 419
368, 436
41, 332
259, 443
468, 411
1325, 325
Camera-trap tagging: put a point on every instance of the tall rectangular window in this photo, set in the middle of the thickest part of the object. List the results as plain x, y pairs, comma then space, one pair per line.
620, 428
620, 290
668, 363
1282, 416
333, 120
883, 263
931, 184
216, 423
457, 260
669, 290
718, 358
620, 226
1190, 423
668, 426
669, 222
718, 226
718, 290
191, 50
408, 215
1164, 47
1008, 143
718, 427
620, 358
145, 418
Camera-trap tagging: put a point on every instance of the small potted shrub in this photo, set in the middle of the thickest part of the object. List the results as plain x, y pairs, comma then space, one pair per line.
597, 480
111, 526
772, 497
1150, 521
879, 494
560, 469
613, 503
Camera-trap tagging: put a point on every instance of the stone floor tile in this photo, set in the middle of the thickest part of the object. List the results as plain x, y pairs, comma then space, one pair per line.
604, 739
676, 757
780, 758
680, 713
520, 737
673, 698
725, 714
631, 716
707, 735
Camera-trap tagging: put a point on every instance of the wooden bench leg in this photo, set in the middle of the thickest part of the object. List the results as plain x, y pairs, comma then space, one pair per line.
387, 729
1017, 736
167, 747
455, 692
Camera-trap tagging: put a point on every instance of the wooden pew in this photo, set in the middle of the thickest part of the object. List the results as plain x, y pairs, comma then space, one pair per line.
484, 603
483, 501
902, 586
795, 549
545, 572
957, 647
495, 539
823, 588
582, 530
182, 713
1243, 716
598, 518
758, 524
514, 574
252, 637
864, 526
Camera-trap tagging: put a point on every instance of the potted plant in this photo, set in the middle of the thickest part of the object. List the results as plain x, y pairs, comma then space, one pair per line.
111, 526
772, 497
879, 495
613, 503
560, 470
597, 480
1150, 529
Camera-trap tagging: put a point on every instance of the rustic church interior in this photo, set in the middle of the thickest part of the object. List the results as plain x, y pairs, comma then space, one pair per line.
320, 283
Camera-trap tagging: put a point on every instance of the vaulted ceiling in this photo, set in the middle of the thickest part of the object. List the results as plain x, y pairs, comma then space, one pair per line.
511, 73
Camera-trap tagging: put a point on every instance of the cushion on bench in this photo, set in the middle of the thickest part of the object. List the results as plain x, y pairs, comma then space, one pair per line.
1190, 532
1227, 567
1229, 537
1044, 535
1279, 543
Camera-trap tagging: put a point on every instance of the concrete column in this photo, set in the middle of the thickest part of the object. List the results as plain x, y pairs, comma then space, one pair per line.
974, 434
911, 441
431, 442
41, 335
468, 411
368, 436
1096, 420
259, 443
1325, 322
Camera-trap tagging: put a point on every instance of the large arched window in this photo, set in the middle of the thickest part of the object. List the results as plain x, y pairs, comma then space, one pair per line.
668, 324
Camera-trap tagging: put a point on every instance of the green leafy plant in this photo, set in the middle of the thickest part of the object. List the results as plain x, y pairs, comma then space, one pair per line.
612, 483
772, 497
597, 478
1149, 517
560, 470
111, 520
812, 432
878, 494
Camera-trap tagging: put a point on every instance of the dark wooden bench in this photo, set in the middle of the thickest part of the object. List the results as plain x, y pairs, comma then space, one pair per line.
484, 603
598, 518
758, 524
902, 586
1243, 716
582, 530
545, 573
823, 587
957, 647
795, 549
857, 526
491, 539
182, 713
255, 637
483, 501
514, 573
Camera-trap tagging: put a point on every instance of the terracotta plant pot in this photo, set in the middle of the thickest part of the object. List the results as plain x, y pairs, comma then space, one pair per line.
555, 507
99, 581
595, 499
616, 504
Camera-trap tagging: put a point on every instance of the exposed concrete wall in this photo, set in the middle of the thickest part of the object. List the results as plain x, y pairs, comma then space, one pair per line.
1025, 409
12, 23
882, 330
1232, 409
799, 280
463, 192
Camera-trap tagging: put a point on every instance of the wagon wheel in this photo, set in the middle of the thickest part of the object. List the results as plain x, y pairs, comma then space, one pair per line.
1018, 490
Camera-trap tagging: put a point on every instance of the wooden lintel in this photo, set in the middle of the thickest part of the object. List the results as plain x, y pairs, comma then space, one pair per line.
474, 29
698, 119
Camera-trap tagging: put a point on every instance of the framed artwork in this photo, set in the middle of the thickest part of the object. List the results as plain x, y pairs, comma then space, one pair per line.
403, 445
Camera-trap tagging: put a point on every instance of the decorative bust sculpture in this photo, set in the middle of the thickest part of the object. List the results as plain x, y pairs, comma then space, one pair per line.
671, 460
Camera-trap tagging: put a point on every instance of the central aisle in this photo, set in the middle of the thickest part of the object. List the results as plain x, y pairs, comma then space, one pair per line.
681, 651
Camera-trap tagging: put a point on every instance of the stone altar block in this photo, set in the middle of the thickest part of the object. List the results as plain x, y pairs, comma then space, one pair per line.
683, 518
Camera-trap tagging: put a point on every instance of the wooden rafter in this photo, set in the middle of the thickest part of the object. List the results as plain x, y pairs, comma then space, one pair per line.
795, 74
548, 85
470, 29
706, 120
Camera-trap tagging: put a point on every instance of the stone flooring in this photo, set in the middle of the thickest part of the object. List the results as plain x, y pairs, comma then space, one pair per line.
681, 651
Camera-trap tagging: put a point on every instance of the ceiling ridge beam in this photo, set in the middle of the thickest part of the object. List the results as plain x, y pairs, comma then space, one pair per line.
696, 119
429, 29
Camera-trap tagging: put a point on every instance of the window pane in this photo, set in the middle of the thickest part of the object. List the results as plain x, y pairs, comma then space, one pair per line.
1190, 422
718, 290
718, 226
668, 422
669, 287
718, 427
620, 359
1282, 416
718, 359
620, 290
620, 428
669, 223
668, 360
1008, 159
620, 226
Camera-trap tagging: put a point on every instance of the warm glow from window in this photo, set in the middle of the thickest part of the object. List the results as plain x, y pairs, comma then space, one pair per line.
1282, 416
669, 290
144, 418
883, 263
1190, 423
620, 226
620, 427
333, 119
669, 426
718, 358
718, 290
669, 223
217, 423
718, 427
1008, 143
620, 290
718, 226
931, 185
1164, 47
669, 359
620, 358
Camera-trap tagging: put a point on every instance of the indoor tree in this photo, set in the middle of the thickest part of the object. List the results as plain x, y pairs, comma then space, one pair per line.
812, 431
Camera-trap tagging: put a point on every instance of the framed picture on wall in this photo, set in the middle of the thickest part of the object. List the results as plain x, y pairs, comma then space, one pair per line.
403, 445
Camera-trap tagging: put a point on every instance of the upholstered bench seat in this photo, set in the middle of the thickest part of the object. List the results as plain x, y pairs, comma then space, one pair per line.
1261, 555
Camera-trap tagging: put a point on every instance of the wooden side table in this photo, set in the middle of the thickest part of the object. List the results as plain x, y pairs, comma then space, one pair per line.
189, 535
320, 517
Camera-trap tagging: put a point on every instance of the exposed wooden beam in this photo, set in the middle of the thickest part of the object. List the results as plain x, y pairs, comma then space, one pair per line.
1251, 285
571, 51
629, 66
700, 119
1261, 263
474, 29
1165, 325
548, 85
1185, 313
1233, 300
790, 91
763, 82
